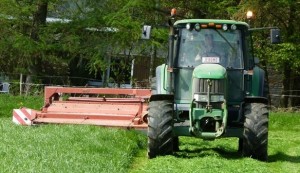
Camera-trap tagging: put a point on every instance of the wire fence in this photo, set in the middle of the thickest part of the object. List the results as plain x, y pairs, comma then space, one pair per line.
281, 109
19, 86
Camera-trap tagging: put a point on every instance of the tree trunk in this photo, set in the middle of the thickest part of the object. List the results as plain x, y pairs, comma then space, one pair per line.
291, 33
287, 72
39, 19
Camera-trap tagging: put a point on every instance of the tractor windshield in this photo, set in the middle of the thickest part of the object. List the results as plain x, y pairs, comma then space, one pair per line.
210, 46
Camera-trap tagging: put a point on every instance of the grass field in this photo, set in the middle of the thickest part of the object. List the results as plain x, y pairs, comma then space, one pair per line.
79, 148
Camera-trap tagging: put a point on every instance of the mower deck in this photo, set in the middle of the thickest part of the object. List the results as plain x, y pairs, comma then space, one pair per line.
91, 107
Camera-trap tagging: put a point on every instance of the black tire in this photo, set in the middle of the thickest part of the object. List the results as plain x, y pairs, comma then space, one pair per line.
176, 143
153, 85
255, 137
240, 149
160, 128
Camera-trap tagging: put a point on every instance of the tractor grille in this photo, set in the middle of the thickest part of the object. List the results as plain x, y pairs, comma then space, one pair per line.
201, 86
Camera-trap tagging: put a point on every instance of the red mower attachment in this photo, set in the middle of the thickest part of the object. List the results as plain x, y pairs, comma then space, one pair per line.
113, 107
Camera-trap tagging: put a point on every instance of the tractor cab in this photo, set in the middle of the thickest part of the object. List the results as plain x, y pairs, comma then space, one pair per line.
209, 46
215, 50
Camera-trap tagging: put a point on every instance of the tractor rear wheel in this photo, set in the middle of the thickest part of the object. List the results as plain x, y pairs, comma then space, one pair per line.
176, 143
160, 128
255, 136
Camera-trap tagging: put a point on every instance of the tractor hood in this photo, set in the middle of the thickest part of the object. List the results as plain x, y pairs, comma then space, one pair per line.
209, 71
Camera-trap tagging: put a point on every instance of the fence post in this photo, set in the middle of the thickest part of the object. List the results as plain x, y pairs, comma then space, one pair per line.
21, 79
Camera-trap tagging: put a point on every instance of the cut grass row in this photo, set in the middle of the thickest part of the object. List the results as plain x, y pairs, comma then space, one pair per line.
79, 148
66, 148
62, 148
221, 155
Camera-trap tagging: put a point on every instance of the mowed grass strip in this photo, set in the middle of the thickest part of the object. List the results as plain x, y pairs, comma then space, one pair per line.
66, 148
62, 148
79, 148
221, 155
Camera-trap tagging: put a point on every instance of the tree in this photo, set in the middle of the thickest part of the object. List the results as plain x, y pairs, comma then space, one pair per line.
26, 40
93, 32
284, 56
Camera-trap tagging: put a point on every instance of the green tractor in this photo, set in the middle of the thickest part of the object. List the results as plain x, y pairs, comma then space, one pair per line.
210, 88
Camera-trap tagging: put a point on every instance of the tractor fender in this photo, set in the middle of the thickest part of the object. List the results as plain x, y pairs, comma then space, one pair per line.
256, 99
258, 82
160, 79
157, 97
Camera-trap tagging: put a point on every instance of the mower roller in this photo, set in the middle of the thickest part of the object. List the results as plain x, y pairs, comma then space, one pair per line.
113, 107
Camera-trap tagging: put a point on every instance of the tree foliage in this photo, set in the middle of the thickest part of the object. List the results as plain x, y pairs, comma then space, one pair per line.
284, 57
90, 33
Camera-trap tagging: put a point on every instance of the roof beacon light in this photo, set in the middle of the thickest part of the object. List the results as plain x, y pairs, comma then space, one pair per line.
249, 14
173, 12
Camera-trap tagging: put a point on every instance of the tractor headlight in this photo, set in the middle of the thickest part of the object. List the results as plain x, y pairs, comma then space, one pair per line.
200, 98
188, 26
233, 27
225, 27
204, 98
217, 98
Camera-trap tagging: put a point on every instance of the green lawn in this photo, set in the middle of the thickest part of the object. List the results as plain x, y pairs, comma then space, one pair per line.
66, 148
79, 148
221, 155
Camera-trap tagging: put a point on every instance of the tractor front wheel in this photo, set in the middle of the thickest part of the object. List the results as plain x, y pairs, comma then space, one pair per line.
160, 128
255, 136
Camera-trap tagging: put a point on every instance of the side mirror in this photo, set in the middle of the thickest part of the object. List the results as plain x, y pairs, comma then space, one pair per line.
275, 36
146, 32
